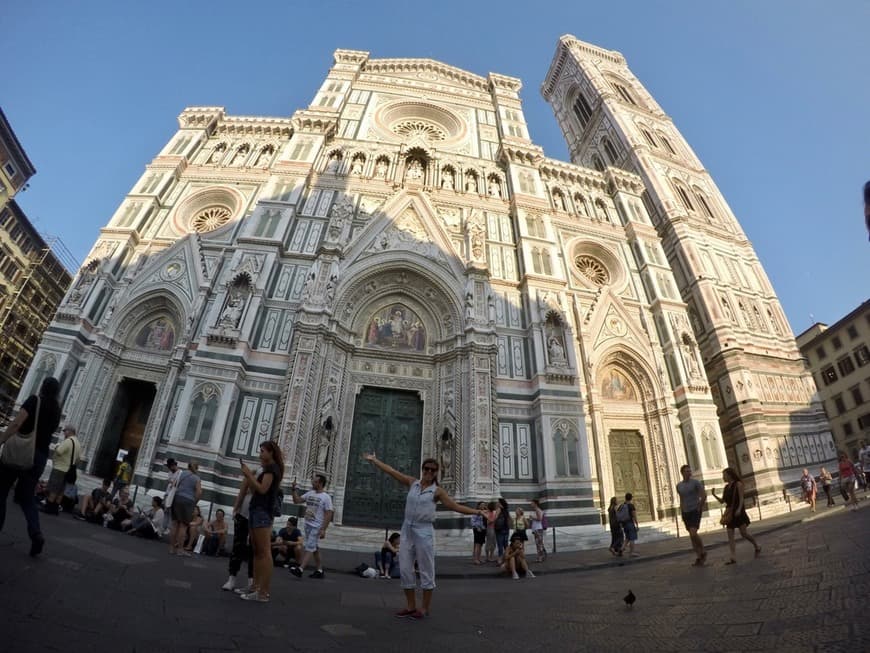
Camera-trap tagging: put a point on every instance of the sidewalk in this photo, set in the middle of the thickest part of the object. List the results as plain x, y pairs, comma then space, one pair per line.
451, 566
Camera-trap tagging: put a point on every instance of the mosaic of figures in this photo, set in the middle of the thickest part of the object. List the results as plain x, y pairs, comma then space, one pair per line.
397, 327
157, 335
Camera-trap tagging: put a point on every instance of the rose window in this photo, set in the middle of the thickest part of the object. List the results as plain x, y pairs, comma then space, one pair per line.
210, 219
592, 269
422, 128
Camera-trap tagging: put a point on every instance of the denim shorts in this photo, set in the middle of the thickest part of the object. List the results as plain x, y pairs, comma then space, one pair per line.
692, 519
260, 518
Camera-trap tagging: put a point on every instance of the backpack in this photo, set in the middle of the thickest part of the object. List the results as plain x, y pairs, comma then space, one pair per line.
623, 514
72, 472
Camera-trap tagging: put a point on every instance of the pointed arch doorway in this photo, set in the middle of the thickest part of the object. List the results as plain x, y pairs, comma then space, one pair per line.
628, 463
389, 423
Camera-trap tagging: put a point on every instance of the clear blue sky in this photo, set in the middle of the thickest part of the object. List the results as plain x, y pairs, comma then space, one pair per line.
773, 96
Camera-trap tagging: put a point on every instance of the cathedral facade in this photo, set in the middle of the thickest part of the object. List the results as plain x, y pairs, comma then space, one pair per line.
397, 268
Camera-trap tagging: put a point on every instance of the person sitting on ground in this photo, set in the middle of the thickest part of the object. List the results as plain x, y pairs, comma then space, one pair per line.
287, 545
120, 510
515, 559
194, 529
387, 559
93, 505
147, 524
215, 534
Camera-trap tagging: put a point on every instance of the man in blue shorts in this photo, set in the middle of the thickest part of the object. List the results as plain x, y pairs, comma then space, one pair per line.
693, 499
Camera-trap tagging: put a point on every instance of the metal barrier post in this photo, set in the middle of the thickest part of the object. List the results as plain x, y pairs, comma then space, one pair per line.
554, 539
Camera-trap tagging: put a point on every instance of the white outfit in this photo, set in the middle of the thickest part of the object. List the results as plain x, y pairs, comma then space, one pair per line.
316, 506
418, 537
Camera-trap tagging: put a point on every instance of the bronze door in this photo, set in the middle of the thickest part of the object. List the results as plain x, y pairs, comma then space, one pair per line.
390, 424
630, 470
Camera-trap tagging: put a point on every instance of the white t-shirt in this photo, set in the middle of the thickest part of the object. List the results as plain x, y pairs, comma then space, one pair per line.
316, 505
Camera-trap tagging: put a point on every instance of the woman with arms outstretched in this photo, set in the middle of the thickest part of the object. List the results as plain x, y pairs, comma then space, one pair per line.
418, 533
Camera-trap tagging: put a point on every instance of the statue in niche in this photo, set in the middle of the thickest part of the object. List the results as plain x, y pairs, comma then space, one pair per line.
333, 163
689, 355
240, 155
341, 211
308, 287
446, 454
447, 180
415, 170
263, 159
232, 312
324, 442
381, 169
490, 308
556, 351
471, 183
356, 167
494, 189
469, 307
217, 153
330, 289
477, 236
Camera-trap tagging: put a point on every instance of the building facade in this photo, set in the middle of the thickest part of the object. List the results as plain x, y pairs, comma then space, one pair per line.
839, 357
397, 268
32, 278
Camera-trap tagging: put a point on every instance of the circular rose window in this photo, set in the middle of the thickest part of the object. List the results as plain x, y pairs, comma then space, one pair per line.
210, 219
593, 269
422, 128
422, 119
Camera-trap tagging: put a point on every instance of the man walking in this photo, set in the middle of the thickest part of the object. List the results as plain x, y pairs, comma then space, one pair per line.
627, 516
318, 515
693, 500
169, 496
65, 456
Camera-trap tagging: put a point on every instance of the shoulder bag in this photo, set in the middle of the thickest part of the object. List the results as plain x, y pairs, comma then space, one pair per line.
19, 450
72, 472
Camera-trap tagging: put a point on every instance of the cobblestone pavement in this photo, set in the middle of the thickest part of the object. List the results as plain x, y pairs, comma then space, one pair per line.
96, 590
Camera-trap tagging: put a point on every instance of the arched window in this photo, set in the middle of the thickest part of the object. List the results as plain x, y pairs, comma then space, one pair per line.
684, 197
705, 206
565, 444
536, 260
649, 138
609, 150
667, 143
597, 163
202, 412
534, 226
546, 262
624, 93
582, 110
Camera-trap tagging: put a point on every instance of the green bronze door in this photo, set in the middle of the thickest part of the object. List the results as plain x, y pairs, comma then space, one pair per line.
630, 470
390, 424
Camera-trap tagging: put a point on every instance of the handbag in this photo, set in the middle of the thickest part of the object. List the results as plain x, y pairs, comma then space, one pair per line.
19, 450
72, 472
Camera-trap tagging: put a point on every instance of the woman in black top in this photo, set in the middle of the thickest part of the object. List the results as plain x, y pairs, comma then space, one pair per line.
735, 511
616, 535
25, 420
263, 490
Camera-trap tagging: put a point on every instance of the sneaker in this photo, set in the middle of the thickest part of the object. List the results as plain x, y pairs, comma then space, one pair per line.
529, 574
254, 596
230, 585
401, 614
516, 576
316, 574
296, 571
79, 516
37, 544
245, 590
417, 615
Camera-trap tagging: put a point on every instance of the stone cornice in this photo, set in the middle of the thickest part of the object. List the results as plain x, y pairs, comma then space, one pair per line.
354, 57
624, 180
505, 83
553, 170
319, 122
462, 77
255, 126
522, 154
200, 117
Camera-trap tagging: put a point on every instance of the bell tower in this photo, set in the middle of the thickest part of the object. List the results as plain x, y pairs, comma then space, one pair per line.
764, 394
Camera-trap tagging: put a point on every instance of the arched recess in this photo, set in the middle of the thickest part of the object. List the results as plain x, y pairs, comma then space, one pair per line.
634, 455
145, 311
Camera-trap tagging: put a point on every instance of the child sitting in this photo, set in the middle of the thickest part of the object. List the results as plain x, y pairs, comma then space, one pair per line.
387, 559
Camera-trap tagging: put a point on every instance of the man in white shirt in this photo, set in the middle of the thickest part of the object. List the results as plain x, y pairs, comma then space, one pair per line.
318, 515
864, 458
693, 499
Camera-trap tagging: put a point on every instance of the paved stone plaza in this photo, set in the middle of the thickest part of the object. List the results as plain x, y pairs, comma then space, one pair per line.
97, 590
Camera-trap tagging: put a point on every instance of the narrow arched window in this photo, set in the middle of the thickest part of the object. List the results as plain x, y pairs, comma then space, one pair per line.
649, 138
705, 207
667, 143
624, 94
546, 262
536, 260
684, 197
597, 163
582, 110
609, 150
